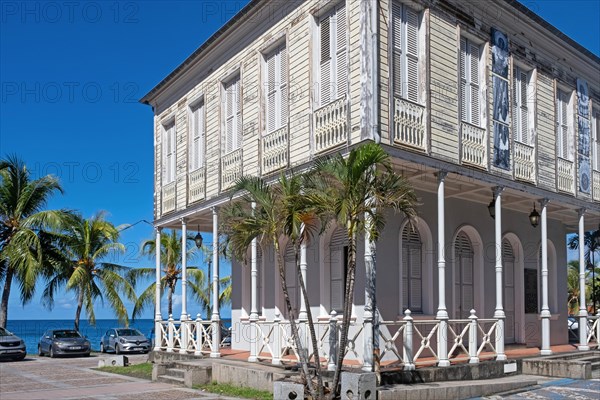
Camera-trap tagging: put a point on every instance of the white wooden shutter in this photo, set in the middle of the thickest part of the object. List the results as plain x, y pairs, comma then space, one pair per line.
169, 152
333, 64
508, 261
464, 269
405, 56
520, 110
325, 59
277, 103
291, 277
341, 71
197, 137
469, 66
411, 269
233, 116
562, 104
596, 139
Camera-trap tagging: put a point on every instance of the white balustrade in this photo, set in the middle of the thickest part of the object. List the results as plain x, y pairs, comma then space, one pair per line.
168, 197
488, 330
593, 339
596, 184
459, 332
331, 125
524, 162
231, 168
409, 124
392, 341
197, 185
275, 148
474, 145
565, 176
161, 336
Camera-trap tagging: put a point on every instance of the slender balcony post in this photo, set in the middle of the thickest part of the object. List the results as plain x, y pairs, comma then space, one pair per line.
157, 314
276, 360
473, 359
184, 315
302, 314
583, 343
409, 362
216, 319
442, 313
499, 312
253, 307
333, 341
369, 334
545, 314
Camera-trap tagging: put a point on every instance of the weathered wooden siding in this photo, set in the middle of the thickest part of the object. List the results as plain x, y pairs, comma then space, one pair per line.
444, 87
546, 133
353, 41
384, 73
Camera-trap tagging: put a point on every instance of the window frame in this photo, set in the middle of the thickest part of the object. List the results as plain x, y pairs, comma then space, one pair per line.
481, 81
518, 108
235, 142
280, 90
336, 88
561, 152
197, 106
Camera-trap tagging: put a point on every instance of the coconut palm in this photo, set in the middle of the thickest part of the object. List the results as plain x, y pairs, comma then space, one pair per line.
573, 287
242, 225
353, 190
170, 257
22, 216
85, 244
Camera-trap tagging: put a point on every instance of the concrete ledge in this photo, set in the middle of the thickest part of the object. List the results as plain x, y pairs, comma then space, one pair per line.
116, 361
572, 365
256, 376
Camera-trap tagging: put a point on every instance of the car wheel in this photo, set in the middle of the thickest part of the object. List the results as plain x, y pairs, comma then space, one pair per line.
20, 358
52, 355
102, 349
86, 355
40, 352
117, 349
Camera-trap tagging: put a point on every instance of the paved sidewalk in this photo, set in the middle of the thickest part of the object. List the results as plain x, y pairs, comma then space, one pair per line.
72, 378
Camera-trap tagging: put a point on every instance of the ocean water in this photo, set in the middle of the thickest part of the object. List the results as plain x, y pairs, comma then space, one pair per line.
31, 330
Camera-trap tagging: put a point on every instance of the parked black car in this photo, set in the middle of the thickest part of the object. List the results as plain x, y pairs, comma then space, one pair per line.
12, 347
56, 342
121, 340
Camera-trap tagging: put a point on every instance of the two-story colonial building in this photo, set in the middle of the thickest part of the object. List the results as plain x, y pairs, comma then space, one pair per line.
484, 106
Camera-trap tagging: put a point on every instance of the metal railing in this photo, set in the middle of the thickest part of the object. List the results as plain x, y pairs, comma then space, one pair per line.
524, 162
474, 146
169, 197
331, 125
409, 124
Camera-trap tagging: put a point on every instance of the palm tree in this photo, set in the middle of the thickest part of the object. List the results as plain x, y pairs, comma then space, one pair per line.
22, 201
84, 243
170, 256
573, 287
242, 225
353, 190
592, 245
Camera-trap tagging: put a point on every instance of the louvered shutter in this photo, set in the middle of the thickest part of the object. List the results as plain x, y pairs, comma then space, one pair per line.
229, 118
562, 124
338, 243
474, 80
521, 113
464, 274
524, 117
169, 152
325, 60
397, 49
197, 134
238, 115
411, 269
341, 72
412, 54
271, 92
596, 136
283, 88
291, 277
464, 86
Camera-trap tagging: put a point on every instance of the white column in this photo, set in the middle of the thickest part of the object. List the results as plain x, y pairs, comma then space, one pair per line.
499, 312
545, 314
157, 314
369, 311
302, 315
216, 334
184, 315
583, 344
442, 313
253, 296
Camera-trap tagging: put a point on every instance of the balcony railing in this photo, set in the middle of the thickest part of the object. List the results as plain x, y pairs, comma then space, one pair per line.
565, 177
331, 125
275, 148
409, 124
596, 185
168, 197
473, 145
231, 168
197, 185
524, 162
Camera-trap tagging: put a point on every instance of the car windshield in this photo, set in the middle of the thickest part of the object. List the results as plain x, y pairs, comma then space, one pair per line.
4, 332
66, 334
129, 332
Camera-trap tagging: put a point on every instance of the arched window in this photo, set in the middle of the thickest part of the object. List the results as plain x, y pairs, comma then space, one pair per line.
508, 261
411, 269
339, 264
463, 275
291, 279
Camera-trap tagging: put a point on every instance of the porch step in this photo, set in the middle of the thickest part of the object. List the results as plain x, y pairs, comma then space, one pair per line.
175, 372
576, 365
455, 389
173, 380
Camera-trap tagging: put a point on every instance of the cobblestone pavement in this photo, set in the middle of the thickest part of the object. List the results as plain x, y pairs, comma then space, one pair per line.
40, 378
561, 389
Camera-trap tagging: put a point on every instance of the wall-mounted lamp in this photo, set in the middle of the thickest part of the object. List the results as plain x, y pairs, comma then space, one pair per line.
198, 239
534, 217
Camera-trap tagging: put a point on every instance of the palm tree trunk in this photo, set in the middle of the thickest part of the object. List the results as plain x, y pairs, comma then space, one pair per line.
311, 327
348, 300
170, 302
301, 353
5, 296
79, 308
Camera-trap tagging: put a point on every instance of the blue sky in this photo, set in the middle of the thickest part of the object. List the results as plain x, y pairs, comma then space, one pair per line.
71, 74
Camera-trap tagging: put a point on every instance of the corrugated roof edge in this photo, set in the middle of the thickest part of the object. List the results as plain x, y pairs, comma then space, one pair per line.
253, 3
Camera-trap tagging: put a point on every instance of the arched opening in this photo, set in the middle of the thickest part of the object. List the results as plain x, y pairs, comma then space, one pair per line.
464, 297
291, 279
514, 297
508, 267
338, 264
411, 270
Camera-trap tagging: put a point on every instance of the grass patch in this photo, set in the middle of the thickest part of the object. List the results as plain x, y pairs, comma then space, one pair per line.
143, 370
226, 389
